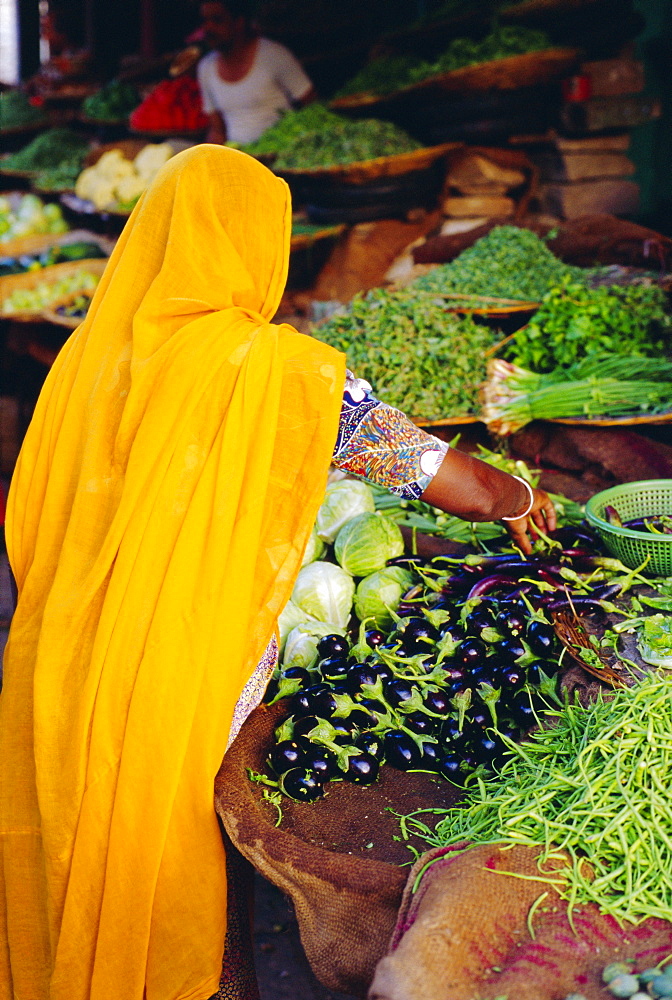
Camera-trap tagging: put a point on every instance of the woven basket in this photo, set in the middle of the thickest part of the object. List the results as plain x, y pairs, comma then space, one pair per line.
512, 73
382, 166
641, 499
31, 279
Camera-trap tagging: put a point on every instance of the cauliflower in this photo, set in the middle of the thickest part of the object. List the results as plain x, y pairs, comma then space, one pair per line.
130, 187
86, 183
152, 157
104, 194
114, 165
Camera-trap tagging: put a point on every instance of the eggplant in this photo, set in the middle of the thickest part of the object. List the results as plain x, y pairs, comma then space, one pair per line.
374, 637
487, 748
587, 605
477, 620
332, 668
452, 673
397, 691
401, 750
437, 701
361, 673
322, 761
534, 670
333, 645
420, 723
362, 769
431, 754
362, 719
510, 650
373, 744
470, 652
298, 674
512, 623
303, 702
451, 767
373, 705
417, 635
304, 724
408, 562
301, 784
540, 637
496, 581
513, 679
452, 735
324, 704
285, 755
486, 672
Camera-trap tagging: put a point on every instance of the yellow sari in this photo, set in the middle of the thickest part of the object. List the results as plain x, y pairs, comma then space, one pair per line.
161, 503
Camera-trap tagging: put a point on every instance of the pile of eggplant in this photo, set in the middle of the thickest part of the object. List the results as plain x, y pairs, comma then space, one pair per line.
470, 661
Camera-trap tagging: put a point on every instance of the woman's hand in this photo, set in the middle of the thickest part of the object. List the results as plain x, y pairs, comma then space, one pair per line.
476, 491
542, 515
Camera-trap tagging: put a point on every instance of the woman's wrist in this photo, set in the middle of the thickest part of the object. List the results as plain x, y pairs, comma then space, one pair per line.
529, 501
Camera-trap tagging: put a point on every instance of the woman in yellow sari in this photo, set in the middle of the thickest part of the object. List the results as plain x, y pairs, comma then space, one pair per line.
158, 514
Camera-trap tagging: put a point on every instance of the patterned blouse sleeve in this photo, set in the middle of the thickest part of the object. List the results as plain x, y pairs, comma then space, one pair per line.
379, 443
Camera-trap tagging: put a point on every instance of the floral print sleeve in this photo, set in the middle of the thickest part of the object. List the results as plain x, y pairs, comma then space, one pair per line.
379, 443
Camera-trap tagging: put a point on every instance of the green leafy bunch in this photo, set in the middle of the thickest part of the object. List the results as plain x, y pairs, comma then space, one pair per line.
575, 322
417, 356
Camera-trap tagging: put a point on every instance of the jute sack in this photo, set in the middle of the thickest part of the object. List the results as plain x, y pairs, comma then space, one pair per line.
468, 930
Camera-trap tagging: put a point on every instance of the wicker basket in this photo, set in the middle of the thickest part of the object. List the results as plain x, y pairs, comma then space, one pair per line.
369, 170
528, 70
31, 279
641, 499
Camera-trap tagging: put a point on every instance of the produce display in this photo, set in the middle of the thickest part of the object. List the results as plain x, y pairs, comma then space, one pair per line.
314, 137
18, 111
77, 309
54, 148
81, 250
416, 355
592, 783
27, 216
112, 103
623, 980
508, 262
172, 105
116, 183
47, 293
57, 179
575, 322
384, 76
599, 386
445, 650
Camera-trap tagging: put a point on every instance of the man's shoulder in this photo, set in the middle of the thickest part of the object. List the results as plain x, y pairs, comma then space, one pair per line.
206, 62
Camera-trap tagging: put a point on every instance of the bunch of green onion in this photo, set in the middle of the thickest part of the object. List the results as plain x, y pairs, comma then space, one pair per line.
599, 386
592, 786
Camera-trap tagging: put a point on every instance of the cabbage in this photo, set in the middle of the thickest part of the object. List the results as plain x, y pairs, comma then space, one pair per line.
301, 644
314, 549
366, 542
325, 591
381, 591
342, 501
289, 618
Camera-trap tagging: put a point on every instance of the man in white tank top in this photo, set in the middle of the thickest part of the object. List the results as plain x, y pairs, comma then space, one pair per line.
246, 81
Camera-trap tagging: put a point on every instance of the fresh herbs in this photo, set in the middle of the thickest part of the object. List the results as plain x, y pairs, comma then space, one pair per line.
419, 357
574, 322
314, 137
598, 386
383, 76
57, 146
112, 103
508, 262
593, 785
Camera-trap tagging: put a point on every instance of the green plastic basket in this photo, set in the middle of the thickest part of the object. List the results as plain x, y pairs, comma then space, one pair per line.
631, 500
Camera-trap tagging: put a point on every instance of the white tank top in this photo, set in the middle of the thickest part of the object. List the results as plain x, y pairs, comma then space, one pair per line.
251, 105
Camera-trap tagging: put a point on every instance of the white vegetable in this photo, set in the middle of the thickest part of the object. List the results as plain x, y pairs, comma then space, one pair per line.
325, 591
301, 644
314, 549
290, 616
343, 500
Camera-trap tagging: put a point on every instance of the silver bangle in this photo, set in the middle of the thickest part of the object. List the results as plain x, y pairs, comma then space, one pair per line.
530, 505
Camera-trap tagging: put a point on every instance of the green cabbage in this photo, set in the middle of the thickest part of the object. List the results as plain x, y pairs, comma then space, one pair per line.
343, 500
290, 616
325, 591
314, 549
366, 542
380, 593
301, 644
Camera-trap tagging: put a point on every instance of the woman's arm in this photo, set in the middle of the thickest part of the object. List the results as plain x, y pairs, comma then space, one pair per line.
472, 489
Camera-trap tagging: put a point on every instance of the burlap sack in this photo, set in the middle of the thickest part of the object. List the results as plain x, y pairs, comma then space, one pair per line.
468, 933
337, 859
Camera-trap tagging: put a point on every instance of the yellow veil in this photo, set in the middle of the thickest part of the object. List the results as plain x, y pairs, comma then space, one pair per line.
162, 500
